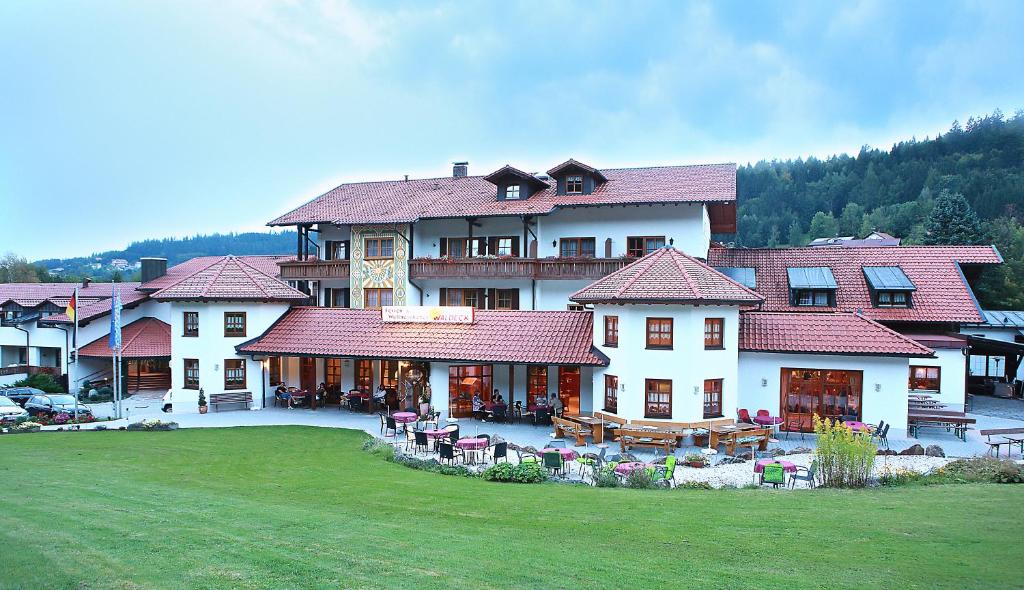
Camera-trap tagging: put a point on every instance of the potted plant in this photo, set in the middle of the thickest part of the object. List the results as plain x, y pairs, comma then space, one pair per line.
696, 460
202, 402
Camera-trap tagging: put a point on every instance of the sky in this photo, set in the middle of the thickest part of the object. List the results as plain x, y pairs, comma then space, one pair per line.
129, 120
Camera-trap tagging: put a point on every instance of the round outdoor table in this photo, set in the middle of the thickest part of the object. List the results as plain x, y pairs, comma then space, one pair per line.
857, 426
630, 467
768, 420
437, 433
567, 454
405, 417
472, 445
787, 467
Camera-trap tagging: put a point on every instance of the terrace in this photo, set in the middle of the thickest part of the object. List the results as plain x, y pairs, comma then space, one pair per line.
468, 268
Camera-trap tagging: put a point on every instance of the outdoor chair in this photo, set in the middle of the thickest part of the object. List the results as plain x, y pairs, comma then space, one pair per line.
743, 415
557, 444
527, 455
542, 418
383, 423
553, 462
498, 414
804, 474
421, 441
882, 434
448, 452
774, 474
389, 424
517, 411
794, 424
499, 451
453, 432
487, 436
665, 474
410, 439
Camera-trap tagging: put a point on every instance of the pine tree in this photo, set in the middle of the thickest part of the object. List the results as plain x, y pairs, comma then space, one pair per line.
952, 221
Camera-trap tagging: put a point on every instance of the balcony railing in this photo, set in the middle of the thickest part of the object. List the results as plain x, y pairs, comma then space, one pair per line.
30, 370
314, 269
515, 268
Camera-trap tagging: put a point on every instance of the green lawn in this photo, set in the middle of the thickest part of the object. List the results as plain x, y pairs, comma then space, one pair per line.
290, 507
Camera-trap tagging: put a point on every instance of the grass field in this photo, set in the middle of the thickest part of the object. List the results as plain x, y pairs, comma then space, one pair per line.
294, 507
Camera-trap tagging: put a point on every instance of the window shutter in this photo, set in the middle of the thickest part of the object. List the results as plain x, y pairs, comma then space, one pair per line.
481, 246
443, 296
608, 248
444, 248
480, 301
533, 248
348, 248
329, 246
515, 246
492, 246
492, 299
515, 298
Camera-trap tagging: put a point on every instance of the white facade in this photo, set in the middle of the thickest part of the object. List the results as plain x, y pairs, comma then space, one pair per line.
952, 364
884, 386
687, 364
211, 348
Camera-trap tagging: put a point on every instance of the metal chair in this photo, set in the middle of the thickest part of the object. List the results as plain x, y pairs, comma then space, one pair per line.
448, 452
553, 462
421, 441
389, 424
499, 451
557, 444
794, 424
804, 474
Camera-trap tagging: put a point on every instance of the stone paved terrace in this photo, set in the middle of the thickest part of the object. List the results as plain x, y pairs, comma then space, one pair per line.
528, 435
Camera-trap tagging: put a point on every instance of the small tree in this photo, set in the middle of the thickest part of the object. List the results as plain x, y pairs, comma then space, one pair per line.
202, 399
952, 221
845, 459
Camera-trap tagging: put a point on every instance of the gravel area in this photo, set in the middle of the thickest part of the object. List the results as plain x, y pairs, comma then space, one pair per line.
741, 474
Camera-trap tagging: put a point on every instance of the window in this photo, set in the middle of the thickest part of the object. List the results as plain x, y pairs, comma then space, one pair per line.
335, 297
506, 299
377, 298
503, 247
814, 298
466, 297
659, 332
658, 401
713, 332
389, 374
275, 370
712, 398
892, 299
573, 185
642, 246
512, 192
234, 323
536, 384
573, 247
465, 382
336, 250
575, 307
611, 393
364, 375
234, 374
332, 379
378, 248
924, 378
191, 374
611, 330
463, 247
191, 323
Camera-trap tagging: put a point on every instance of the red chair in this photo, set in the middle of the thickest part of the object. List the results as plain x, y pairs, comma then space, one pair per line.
764, 413
744, 416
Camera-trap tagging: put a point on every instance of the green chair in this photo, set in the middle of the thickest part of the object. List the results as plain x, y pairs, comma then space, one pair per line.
774, 474
665, 474
553, 462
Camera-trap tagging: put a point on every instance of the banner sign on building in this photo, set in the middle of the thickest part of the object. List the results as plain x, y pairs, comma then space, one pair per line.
426, 314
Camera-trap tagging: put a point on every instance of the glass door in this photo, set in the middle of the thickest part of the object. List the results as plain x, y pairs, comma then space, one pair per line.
464, 382
828, 393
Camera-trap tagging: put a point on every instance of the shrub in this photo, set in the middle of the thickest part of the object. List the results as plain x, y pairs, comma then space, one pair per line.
979, 470
27, 426
47, 383
695, 485
844, 459
696, 458
522, 473
379, 448
152, 424
640, 479
606, 478
899, 477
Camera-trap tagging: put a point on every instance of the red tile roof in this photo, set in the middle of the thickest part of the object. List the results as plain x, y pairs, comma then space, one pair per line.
666, 276
942, 294
229, 278
823, 333
32, 294
143, 338
91, 309
542, 337
265, 264
396, 201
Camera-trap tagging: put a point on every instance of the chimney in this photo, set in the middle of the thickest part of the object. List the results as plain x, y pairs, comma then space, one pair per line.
460, 169
153, 268
85, 282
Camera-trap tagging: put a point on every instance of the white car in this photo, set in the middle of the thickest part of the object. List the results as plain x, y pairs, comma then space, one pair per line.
10, 412
166, 403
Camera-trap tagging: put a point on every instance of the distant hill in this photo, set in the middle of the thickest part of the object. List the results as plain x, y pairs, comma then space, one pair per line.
101, 265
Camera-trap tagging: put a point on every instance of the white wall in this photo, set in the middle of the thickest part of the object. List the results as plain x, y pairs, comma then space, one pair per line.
211, 347
952, 374
686, 224
687, 364
760, 382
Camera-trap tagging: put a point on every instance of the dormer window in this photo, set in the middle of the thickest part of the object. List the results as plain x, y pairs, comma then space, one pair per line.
576, 178
574, 185
813, 286
512, 192
512, 184
889, 286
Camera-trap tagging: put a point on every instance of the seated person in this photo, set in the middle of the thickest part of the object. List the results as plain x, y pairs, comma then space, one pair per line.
478, 406
556, 405
282, 394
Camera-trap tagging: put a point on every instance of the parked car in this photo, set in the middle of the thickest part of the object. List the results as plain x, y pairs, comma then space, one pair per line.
51, 404
10, 411
166, 407
21, 394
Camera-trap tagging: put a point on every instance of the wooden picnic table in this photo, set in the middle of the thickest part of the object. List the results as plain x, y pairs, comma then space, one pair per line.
957, 421
597, 431
728, 431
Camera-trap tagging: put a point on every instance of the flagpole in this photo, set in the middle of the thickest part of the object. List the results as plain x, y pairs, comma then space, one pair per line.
74, 373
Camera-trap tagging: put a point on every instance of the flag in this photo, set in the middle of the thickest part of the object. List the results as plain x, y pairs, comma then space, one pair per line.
72, 307
115, 319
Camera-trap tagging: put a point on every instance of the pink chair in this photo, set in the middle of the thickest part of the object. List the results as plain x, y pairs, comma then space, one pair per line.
764, 413
744, 416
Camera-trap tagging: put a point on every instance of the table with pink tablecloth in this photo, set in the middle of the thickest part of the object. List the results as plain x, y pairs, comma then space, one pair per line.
629, 467
857, 426
437, 433
767, 420
405, 417
472, 444
787, 467
567, 454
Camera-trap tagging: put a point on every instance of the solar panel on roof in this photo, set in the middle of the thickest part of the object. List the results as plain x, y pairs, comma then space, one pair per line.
741, 274
811, 277
887, 278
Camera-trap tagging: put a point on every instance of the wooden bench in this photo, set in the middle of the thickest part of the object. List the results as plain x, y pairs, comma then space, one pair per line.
231, 397
565, 428
611, 423
956, 421
636, 437
1006, 440
744, 438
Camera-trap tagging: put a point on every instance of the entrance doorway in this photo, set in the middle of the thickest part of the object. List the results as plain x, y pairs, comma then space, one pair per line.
147, 374
465, 381
307, 374
827, 393
569, 389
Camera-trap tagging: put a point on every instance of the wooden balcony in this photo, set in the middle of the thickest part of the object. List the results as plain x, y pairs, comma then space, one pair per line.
515, 268
315, 270
30, 370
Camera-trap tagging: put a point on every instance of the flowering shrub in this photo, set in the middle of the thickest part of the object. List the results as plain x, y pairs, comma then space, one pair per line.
153, 424
28, 426
845, 459
62, 418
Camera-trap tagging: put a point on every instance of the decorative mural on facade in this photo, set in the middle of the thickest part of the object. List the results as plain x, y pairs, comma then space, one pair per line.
379, 273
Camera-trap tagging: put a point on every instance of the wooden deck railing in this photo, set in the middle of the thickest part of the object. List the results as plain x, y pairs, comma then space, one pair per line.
515, 268
30, 370
314, 269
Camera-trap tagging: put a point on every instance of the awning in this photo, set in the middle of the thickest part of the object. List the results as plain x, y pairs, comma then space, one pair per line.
887, 278
811, 277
